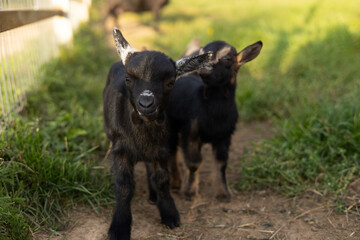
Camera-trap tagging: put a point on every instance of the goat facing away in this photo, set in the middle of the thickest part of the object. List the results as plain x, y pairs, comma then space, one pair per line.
202, 109
135, 97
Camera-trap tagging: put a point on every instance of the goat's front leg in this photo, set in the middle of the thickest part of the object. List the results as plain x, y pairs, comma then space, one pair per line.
165, 203
123, 169
221, 150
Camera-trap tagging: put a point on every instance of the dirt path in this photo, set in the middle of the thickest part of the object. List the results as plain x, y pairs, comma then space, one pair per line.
250, 215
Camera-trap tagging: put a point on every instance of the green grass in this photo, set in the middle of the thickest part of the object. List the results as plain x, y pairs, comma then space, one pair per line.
49, 156
317, 115
316, 148
306, 80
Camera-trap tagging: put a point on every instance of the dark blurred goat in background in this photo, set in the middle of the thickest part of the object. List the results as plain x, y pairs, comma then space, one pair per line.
116, 7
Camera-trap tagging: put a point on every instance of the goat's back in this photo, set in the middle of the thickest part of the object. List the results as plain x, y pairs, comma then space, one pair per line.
115, 99
116, 78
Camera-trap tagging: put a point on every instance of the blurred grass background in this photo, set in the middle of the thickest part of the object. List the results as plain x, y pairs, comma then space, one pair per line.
306, 81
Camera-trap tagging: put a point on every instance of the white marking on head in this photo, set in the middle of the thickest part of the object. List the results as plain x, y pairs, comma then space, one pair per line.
222, 53
146, 93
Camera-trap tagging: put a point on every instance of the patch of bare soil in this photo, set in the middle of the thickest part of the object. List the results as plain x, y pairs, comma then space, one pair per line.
249, 215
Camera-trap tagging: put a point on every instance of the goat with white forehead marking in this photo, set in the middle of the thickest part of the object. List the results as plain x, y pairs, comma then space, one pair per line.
202, 109
135, 96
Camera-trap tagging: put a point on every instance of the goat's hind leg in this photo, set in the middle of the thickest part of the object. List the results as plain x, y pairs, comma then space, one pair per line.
175, 181
221, 151
190, 187
120, 227
165, 203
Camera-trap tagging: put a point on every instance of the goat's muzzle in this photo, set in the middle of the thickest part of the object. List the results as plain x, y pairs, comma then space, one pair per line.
146, 101
146, 106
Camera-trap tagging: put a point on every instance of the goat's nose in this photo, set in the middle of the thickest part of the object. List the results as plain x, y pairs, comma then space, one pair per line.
146, 101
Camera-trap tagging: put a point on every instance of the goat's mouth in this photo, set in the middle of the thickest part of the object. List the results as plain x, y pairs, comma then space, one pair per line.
149, 115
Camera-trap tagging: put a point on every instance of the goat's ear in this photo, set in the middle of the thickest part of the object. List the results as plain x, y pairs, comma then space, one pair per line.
193, 48
191, 64
122, 46
249, 53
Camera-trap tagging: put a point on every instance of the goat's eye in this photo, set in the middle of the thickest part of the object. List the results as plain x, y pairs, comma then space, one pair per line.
127, 80
170, 84
226, 58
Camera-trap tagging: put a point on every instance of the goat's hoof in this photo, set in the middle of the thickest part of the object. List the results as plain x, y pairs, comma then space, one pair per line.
152, 199
172, 225
223, 197
171, 221
189, 196
116, 235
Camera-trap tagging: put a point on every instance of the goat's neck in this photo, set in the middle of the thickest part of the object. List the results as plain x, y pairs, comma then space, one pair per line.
219, 92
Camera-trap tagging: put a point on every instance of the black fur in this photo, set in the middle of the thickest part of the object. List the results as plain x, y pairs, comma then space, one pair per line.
202, 109
135, 138
135, 97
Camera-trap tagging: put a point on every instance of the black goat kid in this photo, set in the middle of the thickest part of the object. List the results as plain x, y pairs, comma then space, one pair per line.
135, 96
202, 109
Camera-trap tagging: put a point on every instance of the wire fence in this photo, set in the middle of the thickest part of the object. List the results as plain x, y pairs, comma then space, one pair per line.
24, 49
